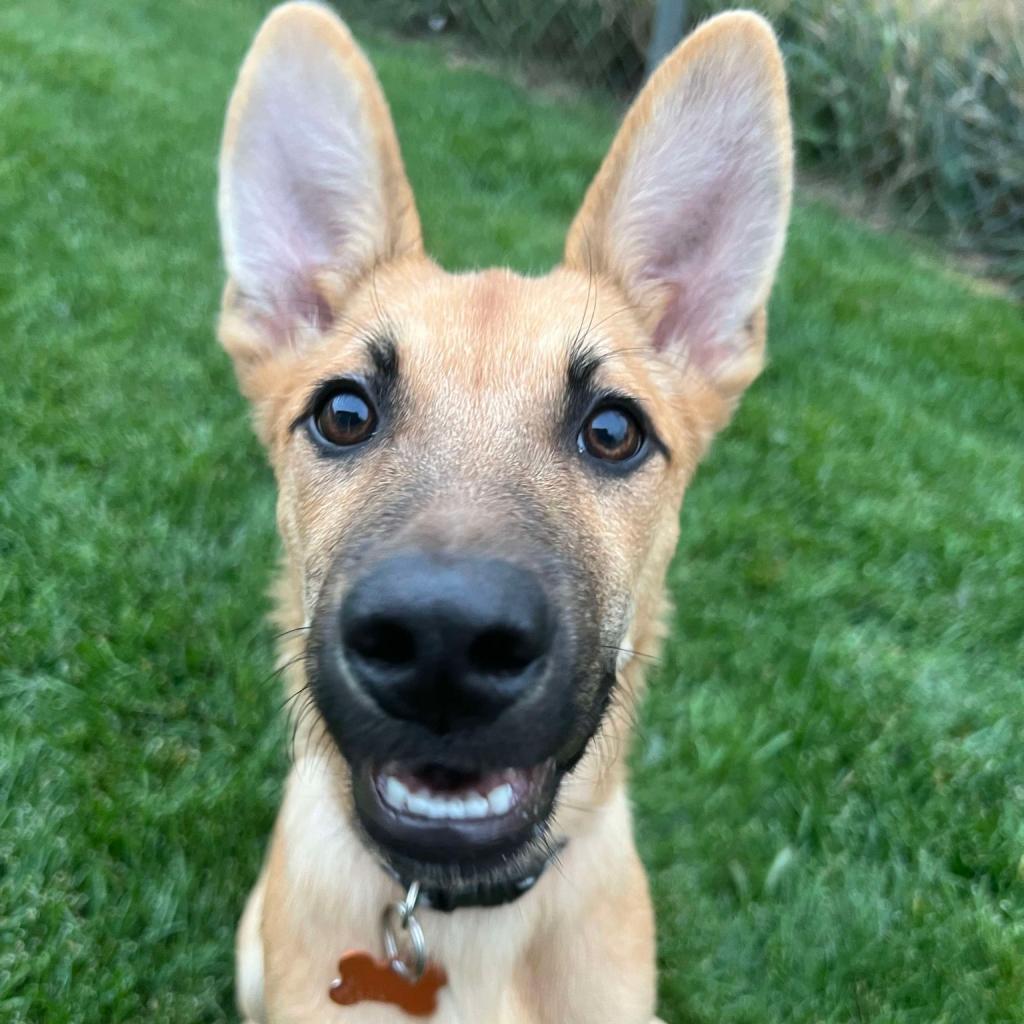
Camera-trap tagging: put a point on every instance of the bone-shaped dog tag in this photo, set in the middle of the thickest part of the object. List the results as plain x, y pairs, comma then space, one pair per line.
361, 978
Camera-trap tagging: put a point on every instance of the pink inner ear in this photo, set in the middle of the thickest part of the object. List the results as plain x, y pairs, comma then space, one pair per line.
297, 304
709, 277
687, 263
298, 185
701, 210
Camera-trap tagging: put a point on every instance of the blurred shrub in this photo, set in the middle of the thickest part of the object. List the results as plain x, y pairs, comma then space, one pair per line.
594, 42
922, 100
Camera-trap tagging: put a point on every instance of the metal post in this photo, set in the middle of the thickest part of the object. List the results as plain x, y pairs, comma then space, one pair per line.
669, 23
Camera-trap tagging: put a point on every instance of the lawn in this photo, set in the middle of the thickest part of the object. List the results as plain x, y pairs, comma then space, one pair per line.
829, 779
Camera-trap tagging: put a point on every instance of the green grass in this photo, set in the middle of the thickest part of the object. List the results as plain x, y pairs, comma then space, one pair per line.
830, 774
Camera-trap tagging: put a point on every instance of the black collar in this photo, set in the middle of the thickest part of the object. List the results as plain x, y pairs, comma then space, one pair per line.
484, 894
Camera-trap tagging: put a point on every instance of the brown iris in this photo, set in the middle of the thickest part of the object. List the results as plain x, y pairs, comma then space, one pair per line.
612, 433
345, 418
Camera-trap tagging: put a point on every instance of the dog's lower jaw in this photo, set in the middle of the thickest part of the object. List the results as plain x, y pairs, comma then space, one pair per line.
322, 893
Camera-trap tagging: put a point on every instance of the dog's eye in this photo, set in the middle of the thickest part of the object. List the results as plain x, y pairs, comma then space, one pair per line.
344, 417
611, 433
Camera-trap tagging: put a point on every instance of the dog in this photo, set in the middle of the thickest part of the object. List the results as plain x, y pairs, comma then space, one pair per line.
479, 479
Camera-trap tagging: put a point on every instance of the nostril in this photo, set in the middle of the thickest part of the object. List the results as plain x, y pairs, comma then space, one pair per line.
387, 642
501, 652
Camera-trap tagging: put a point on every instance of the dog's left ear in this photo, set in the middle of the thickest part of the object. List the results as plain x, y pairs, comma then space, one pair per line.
313, 193
688, 212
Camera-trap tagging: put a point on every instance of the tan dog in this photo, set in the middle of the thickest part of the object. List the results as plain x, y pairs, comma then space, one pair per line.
480, 479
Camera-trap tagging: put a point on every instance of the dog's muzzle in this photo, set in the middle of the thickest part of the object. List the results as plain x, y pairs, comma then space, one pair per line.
452, 687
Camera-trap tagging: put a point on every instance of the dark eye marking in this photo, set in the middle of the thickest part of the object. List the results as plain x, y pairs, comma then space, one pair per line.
384, 355
583, 365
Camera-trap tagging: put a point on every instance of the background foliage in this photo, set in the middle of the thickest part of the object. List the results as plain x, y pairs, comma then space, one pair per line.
920, 100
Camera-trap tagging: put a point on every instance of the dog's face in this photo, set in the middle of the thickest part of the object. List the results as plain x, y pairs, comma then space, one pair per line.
480, 475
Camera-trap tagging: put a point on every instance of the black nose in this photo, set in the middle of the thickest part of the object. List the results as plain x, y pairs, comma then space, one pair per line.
450, 642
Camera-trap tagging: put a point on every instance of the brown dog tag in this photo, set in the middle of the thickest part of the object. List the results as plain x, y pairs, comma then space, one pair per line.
364, 979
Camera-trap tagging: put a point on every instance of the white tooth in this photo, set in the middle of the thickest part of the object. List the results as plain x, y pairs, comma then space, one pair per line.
476, 806
421, 805
395, 793
456, 808
500, 799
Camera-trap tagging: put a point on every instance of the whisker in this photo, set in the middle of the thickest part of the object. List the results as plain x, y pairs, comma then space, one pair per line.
622, 309
628, 350
298, 693
308, 705
593, 312
323, 745
633, 653
289, 632
280, 668
275, 637
580, 808
580, 334
378, 308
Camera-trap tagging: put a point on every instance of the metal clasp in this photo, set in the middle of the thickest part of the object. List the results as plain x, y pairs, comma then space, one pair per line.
411, 961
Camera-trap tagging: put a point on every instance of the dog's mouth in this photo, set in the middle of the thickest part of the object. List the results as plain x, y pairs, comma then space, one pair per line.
435, 814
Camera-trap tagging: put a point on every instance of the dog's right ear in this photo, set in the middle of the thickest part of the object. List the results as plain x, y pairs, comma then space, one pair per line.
312, 192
